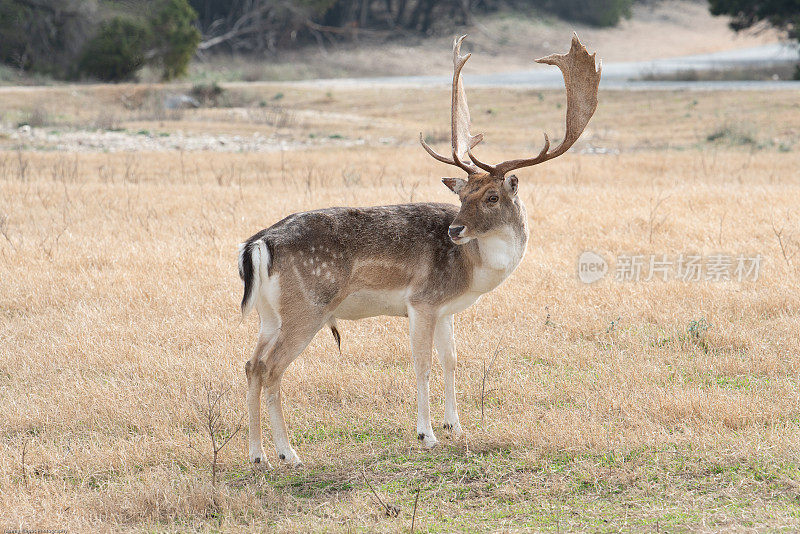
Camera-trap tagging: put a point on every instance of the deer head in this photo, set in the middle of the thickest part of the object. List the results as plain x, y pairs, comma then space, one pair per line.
489, 194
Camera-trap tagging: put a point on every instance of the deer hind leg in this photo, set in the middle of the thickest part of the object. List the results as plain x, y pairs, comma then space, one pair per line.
446, 348
254, 370
291, 340
421, 326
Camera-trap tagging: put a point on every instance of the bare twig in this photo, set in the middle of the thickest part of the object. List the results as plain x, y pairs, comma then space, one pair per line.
487, 370
407, 192
210, 413
653, 223
391, 510
414, 515
780, 234
24, 453
4, 231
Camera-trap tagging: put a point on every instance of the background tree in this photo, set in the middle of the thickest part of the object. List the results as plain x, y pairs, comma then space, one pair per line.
112, 40
781, 14
45, 35
592, 12
117, 52
174, 38
259, 25
108, 40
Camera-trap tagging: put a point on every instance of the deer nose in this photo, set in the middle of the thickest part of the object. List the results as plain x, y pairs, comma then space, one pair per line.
455, 231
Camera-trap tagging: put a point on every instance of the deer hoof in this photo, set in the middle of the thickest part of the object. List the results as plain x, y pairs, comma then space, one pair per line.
428, 442
455, 430
257, 455
259, 463
290, 458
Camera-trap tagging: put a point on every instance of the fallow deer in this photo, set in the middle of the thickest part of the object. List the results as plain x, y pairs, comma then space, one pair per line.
425, 261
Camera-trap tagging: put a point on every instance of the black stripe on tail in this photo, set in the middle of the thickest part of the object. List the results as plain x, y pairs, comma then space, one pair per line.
246, 271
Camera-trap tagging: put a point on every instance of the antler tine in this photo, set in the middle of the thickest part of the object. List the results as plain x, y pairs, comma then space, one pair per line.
466, 166
461, 140
508, 166
485, 166
581, 80
433, 153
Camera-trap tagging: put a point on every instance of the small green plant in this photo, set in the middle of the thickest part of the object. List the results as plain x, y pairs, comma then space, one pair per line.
35, 118
696, 333
208, 94
732, 134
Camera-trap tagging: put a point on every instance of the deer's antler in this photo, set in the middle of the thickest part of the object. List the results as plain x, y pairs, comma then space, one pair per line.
581, 79
462, 141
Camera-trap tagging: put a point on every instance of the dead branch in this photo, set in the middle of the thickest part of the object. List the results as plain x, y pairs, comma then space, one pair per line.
391, 510
654, 224
22, 461
414, 515
487, 370
210, 413
779, 233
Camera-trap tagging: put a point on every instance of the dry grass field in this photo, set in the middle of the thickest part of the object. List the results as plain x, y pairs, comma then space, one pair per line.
640, 406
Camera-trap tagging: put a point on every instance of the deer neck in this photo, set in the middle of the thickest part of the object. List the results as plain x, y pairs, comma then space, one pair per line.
495, 255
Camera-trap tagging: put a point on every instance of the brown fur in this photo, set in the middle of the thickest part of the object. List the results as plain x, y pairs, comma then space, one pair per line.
357, 248
480, 216
322, 257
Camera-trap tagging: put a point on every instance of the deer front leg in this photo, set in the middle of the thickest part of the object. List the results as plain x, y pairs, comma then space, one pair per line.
446, 348
422, 325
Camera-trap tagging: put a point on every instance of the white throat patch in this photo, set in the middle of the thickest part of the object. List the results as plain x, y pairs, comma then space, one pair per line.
500, 253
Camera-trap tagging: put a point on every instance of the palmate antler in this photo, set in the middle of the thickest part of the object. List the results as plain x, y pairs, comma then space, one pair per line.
581, 79
462, 141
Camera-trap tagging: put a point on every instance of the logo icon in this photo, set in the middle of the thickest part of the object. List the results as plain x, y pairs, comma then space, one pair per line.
591, 267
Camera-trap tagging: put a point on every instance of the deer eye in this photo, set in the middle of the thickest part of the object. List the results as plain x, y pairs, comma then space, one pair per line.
492, 199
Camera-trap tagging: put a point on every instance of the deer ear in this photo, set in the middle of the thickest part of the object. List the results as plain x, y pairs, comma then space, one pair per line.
455, 184
511, 183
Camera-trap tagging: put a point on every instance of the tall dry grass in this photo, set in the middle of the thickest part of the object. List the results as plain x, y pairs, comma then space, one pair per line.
118, 304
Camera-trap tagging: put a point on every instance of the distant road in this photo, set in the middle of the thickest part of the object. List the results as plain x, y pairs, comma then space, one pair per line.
621, 75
